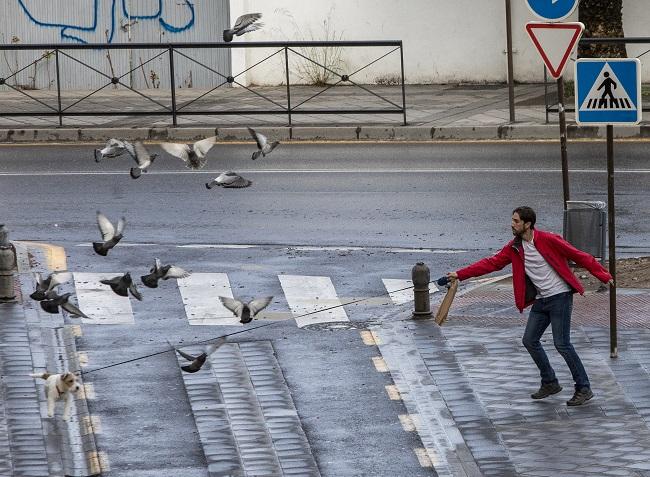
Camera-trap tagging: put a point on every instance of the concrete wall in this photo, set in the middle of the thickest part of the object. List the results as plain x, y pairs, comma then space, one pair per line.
444, 40
102, 21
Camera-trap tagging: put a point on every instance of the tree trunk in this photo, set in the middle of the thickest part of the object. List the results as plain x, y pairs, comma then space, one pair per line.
602, 18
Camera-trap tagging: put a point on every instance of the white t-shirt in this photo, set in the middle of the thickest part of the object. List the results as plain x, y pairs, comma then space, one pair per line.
547, 281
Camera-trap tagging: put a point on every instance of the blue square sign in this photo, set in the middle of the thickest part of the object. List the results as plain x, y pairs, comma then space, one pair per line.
608, 91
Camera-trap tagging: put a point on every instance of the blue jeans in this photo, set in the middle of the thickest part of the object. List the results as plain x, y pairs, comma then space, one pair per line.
556, 311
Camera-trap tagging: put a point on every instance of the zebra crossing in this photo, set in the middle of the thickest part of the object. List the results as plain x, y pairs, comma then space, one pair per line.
309, 299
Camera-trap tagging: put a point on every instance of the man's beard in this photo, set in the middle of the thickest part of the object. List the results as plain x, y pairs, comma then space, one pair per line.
517, 234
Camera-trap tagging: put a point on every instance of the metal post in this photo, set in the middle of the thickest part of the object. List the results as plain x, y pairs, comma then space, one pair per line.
129, 40
58, 86
613, 345
172, 83
545, 94
563, 134
401, 56
511, 81
7, 266
421, 277
286, 69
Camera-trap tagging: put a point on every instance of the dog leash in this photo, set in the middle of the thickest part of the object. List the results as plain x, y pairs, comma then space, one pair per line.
441, 281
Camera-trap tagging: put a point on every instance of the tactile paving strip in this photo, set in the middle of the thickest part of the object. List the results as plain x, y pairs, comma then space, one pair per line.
246, 419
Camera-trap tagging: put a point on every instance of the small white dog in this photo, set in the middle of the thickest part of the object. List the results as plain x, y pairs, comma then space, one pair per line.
57, 386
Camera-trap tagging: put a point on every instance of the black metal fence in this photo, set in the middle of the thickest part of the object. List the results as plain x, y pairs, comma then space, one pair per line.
172, 51
551, 105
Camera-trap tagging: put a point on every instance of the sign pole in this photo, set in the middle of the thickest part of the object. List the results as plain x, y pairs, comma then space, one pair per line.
511, 79
613, 345
563, 136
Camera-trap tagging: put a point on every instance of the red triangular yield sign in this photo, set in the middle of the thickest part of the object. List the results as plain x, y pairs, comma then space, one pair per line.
555, 42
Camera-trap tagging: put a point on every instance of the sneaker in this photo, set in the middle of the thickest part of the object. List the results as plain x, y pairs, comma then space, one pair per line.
546, 390
581, 396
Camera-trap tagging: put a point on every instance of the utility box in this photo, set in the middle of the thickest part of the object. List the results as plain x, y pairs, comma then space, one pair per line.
585, 226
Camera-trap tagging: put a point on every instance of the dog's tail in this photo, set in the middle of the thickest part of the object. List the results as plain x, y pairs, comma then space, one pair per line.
40, 375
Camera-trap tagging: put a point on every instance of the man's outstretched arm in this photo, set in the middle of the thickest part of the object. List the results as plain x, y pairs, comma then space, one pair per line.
483, 266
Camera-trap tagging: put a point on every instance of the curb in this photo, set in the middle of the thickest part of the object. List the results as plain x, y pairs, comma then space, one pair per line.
515, 132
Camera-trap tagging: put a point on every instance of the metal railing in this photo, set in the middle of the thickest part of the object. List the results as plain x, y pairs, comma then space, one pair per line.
170, 51
552, 106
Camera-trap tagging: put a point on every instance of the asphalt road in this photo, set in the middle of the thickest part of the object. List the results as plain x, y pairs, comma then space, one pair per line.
356, 213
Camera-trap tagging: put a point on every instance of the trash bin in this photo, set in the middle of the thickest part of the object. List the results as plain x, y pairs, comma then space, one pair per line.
585, 226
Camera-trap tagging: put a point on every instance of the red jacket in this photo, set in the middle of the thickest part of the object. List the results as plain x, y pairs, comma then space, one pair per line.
555, 250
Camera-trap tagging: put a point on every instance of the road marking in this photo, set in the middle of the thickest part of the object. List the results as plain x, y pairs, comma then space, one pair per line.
88, 391
99, 302
200, 292
380, 364
309, 294
393, 393
82, 358
54, 255
423, 457
487, 170
407, 423
303, 248
97, 462
367, 338
90, 425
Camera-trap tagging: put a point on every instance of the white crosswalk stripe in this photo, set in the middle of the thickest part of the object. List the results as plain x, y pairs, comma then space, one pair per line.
307, 294
99, 302
314, 296
200, 292
401, 291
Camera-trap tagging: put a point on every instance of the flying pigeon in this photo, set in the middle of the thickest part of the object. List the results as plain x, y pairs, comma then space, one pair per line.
263, 145
114, 148
45, 286
110, 235
245, 311
166, 272
243, 24
122, 285
192, 154
52, 305
228, 179
142, 158
198, 361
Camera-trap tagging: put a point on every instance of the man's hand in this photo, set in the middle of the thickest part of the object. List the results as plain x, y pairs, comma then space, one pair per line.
452, 276
611, 282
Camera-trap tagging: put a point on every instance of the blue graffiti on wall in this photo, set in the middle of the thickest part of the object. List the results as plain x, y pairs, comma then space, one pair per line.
70, 31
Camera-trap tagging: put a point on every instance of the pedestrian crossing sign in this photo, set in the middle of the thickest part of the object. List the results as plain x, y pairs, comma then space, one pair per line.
608, 91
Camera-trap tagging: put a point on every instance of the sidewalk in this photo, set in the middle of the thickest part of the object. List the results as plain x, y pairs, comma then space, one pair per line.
468, 385
434, 112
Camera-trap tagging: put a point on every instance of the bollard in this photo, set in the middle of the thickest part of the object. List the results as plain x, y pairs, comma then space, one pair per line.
7, 266
421, 277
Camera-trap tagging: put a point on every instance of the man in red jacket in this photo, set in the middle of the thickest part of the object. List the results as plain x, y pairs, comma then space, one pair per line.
541, 276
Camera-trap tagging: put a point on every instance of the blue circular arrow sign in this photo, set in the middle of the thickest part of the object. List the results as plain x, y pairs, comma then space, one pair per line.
552, 10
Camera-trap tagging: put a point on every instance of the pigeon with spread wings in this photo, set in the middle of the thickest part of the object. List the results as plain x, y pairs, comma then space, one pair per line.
245, 311
194, 155
228, 180
46, 286
198, 361
114, 148
111, 234
143, 160
122, 285
264, 147
243, 24
52, 305
164, 272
